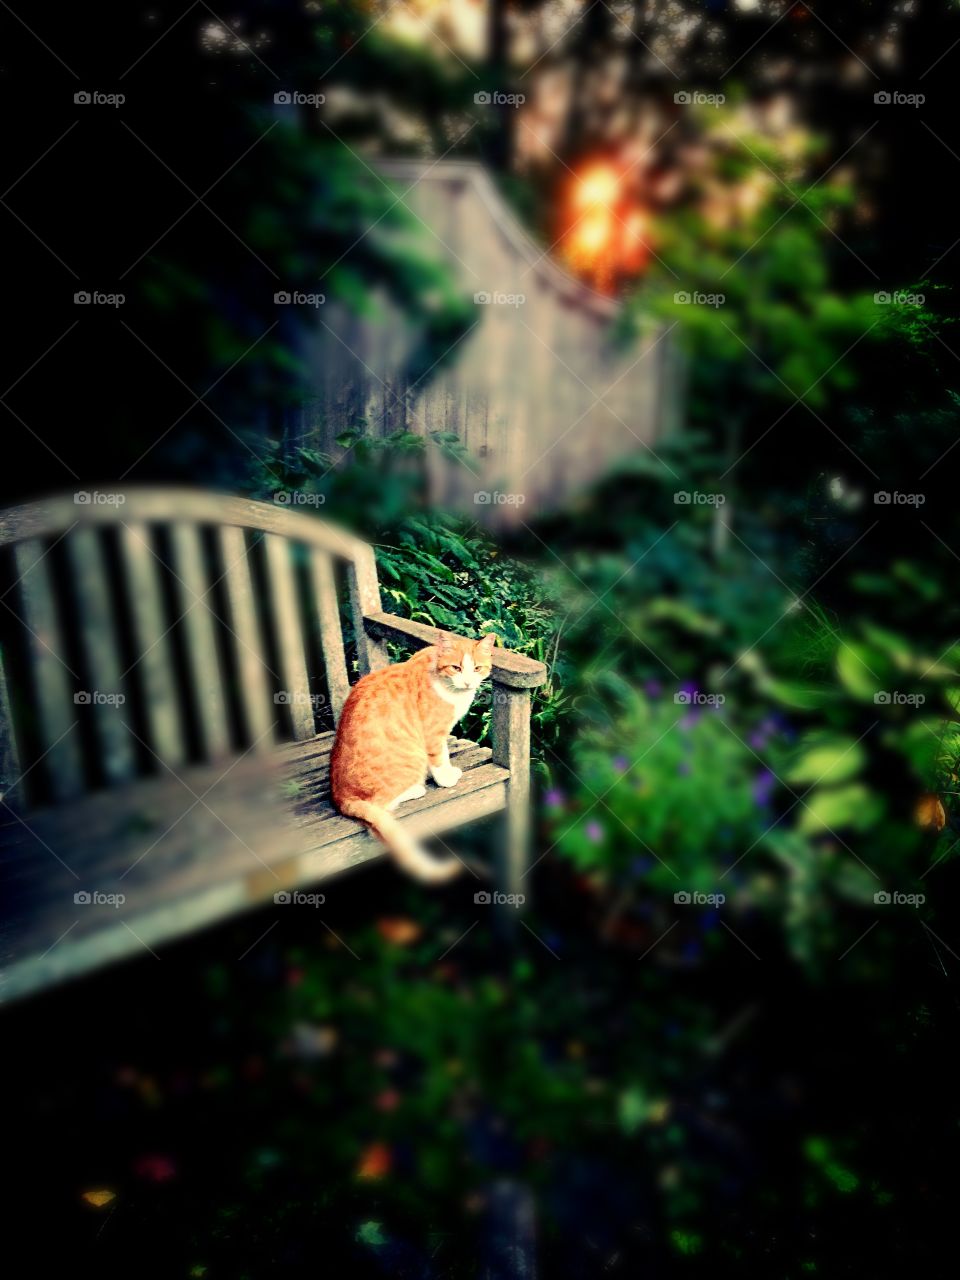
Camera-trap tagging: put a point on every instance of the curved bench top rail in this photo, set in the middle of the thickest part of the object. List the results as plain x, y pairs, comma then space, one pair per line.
51, 516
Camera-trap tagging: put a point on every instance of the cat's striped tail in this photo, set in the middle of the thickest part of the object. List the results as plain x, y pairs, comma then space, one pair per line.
405, 849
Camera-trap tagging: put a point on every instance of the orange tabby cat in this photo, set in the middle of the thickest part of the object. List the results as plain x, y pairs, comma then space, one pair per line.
393, 731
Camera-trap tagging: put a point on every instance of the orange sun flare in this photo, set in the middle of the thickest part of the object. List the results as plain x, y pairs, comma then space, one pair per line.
606, 231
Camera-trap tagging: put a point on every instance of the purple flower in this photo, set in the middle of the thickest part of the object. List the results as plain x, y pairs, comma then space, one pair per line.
594, 832
758, 739
554, 799
763, 787
690, 719
683, 769
621, 764
653, 688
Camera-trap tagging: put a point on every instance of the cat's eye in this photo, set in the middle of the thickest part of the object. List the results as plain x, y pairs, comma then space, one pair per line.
454, 668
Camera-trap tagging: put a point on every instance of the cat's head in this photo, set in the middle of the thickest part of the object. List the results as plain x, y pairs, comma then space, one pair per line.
462, 663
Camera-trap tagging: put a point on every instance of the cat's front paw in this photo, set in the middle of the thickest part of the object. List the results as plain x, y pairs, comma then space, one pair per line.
446, 775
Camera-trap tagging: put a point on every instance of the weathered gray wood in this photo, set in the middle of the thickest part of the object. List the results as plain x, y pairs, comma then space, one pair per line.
153, 645
331, 630
364, 602
136, 511
510, 730
145, 834
11, 789
514, 670
319, 754
320, 745
198, 844
335, 827
531, 365
314, 784
74, 958
55, 684
254, 675
481, 792
202, 869
293, 663
98, 636
164, 505
167, 828
201, 644
152, 826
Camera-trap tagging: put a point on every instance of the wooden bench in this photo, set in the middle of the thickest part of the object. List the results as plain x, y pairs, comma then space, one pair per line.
172, 666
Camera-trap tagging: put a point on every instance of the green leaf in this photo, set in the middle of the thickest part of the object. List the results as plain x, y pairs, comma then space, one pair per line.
370, 1233
791, 693
830, 760
632, 1109
859, 667
851, 806
895, 646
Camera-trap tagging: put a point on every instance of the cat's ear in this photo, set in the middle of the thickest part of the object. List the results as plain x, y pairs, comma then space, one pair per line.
487, 642
445, 642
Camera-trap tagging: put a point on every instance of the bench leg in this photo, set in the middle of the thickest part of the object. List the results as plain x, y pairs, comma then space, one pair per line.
511, 749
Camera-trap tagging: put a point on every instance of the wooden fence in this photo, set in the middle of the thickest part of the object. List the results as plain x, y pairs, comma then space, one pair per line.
539, 391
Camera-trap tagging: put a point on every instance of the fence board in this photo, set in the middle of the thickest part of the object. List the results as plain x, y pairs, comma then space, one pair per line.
510, 399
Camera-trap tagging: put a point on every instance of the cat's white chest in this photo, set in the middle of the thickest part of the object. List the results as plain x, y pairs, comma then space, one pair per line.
460, 703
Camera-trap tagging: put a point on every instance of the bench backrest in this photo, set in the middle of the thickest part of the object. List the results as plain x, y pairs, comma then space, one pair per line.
145, 628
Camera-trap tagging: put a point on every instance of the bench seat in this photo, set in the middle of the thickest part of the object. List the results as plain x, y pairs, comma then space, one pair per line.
190, 849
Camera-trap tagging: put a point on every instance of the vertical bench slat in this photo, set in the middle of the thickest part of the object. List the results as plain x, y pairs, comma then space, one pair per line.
55, 683
365, 600
201, 642
99, 640
153, 645
331, 632
198, 636
293, 665
11, 790
254, 674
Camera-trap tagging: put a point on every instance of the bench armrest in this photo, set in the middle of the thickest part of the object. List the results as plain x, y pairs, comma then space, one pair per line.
511, 670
